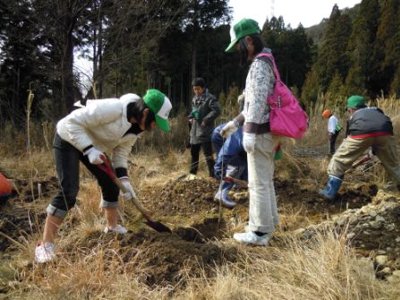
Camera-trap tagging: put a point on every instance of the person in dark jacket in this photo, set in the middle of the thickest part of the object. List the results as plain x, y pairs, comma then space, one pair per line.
205, 109
231, 162
366, 127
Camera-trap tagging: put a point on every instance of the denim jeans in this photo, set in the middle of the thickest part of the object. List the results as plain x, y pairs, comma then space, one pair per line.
67, 160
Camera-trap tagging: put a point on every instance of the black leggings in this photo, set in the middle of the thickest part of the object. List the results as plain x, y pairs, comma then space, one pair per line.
67, 160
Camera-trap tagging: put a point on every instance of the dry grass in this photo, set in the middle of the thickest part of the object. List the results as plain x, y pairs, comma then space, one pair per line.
322, 268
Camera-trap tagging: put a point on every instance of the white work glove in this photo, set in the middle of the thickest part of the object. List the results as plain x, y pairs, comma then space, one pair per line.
129, 193
249, 141
231, 171
229, 128
95, 156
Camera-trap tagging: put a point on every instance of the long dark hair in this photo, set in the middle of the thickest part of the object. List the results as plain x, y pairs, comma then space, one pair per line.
136, 109
243, 52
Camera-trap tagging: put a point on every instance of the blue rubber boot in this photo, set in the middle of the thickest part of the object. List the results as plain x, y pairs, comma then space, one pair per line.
223, 195
332, 187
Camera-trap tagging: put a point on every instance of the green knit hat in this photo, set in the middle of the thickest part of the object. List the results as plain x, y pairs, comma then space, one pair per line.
241, 29
160, 105
356, 102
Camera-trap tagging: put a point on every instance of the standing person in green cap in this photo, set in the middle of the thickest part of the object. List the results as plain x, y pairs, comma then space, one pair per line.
104, 126
366, 127
205, 109
257, 139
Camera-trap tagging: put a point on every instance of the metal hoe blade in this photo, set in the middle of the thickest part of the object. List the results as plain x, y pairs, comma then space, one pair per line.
158, 226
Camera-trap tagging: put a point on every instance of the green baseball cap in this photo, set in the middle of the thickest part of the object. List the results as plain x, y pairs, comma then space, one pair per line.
241, 29
355, 101
160, 105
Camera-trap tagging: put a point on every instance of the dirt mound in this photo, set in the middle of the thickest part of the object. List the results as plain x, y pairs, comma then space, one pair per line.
300, 203
373, 230
184, 196
166, 258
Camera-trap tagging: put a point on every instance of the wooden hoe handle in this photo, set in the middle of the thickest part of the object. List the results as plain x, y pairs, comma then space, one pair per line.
106, 167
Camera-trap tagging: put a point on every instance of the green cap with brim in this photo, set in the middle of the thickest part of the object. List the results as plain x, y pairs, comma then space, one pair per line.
160, 105
355, 101
241, 29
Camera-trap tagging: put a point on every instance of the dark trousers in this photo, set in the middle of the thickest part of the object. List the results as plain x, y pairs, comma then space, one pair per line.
67, 160
208, 153
332, 142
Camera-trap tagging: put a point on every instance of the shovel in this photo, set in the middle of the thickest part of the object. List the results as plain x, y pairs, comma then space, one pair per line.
157, 226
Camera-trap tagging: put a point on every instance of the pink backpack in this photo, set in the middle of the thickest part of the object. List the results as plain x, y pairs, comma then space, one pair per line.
286, 116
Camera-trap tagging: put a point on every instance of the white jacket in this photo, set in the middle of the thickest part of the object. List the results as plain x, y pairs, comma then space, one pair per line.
101, 123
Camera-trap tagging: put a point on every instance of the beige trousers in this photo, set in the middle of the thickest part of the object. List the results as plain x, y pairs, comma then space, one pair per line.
263, 211
384, 147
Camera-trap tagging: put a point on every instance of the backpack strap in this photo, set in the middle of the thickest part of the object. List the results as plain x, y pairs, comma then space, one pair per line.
271, 61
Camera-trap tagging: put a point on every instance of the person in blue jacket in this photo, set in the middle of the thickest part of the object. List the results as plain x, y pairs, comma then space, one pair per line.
231, 162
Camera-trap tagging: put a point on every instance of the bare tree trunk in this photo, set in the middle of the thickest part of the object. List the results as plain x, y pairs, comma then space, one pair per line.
98, 54
67, 88
194, 72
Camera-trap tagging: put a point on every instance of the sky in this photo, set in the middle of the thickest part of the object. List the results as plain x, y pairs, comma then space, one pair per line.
294, 12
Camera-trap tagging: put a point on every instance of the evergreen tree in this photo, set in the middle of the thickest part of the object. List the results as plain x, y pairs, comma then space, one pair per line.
291, 48
201, 16
23, 61
387, 46
311, 88
361, 48
332, 56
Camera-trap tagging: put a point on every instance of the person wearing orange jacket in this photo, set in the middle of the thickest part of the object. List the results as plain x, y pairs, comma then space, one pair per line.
5, 189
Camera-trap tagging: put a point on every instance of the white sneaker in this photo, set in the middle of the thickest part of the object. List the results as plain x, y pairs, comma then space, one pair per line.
44, 253
251, 238
117, 229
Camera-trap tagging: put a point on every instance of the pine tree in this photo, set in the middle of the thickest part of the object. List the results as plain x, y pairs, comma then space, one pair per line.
361, 48
291, 49
332, 56
387, 46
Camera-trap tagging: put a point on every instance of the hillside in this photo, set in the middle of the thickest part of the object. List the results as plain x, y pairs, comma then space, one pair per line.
351, 244
316, 32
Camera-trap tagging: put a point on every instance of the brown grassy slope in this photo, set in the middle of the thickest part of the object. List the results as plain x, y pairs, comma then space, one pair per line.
199, 260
